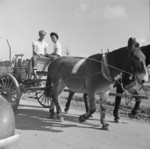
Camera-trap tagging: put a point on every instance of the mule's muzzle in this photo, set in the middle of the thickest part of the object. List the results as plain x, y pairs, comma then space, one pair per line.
142, 78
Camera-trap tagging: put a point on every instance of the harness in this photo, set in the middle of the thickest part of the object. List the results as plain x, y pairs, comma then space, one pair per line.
77, 66
105, 70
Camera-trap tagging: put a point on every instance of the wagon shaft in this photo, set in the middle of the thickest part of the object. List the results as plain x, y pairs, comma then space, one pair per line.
118, 94
128, 96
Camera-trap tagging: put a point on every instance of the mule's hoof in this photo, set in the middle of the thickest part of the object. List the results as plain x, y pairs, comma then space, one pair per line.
106, 127
130, 115
52, 116
66, 111
82, 118
117, 120
60, 118
92, 116
135, 112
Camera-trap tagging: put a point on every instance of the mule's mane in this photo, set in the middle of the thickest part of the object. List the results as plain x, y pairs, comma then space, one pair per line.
97, 56
119, 50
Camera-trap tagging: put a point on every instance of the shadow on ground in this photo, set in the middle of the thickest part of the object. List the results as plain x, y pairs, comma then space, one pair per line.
37, 119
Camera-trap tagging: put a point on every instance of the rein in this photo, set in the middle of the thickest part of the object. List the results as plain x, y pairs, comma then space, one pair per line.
109, 66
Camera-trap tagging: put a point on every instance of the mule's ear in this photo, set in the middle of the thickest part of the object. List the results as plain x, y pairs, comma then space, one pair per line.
132, 44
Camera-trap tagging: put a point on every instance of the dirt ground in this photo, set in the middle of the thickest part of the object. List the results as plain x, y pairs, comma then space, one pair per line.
39, 132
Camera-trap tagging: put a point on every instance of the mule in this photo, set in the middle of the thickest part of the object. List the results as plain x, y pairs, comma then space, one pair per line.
126, 83
97, 74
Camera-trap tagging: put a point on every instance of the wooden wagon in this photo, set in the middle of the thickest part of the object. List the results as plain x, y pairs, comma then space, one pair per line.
21, 80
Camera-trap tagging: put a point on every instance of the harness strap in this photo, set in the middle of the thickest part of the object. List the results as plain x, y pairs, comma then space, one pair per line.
105, 70
77, 66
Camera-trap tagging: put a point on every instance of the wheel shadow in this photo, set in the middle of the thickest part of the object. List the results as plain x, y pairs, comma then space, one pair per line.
37, 119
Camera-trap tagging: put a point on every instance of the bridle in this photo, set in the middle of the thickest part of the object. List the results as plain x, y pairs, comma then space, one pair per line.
105, 68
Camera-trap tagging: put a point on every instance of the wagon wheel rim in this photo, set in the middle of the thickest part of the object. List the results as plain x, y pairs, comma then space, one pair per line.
10, 90
44, 100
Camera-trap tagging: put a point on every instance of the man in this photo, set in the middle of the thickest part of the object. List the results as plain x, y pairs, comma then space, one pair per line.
57, 46
39, 47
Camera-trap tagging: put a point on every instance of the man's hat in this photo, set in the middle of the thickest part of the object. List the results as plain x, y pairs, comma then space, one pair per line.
54, 34
42, 32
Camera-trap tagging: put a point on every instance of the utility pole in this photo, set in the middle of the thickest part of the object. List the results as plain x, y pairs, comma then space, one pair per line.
149, 16
9, 49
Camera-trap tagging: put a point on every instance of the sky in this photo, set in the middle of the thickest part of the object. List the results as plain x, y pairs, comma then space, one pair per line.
85, 27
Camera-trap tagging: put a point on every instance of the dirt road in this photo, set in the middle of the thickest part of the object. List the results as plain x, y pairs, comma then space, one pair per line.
39, 132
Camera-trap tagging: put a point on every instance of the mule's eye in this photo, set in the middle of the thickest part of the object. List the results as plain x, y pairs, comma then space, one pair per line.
137, 48
137, 45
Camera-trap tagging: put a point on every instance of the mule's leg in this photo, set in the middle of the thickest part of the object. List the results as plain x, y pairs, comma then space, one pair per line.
69, 101
91, 109
137, 101
136, 107
86, 102
56, 90
103, 101
51, 110
58, 108
117, 103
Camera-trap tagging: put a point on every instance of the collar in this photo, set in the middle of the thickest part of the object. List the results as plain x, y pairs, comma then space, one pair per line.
105, 69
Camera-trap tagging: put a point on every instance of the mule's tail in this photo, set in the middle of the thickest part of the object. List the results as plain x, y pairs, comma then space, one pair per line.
48, 86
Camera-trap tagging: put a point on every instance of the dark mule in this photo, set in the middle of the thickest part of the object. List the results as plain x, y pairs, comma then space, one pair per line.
96, 75
126, 83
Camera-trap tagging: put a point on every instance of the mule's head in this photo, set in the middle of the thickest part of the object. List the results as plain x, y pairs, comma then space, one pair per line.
137, 59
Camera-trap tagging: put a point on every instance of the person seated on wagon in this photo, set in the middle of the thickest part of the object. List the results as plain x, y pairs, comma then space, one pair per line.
39, 47
57, 46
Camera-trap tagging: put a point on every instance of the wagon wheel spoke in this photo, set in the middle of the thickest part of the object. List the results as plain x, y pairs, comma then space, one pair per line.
11, 85
10, 89
42, 99
12, 100
7, 81
40, 95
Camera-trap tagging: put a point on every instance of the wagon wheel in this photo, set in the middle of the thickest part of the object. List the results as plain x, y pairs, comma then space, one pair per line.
44, 100
10, 90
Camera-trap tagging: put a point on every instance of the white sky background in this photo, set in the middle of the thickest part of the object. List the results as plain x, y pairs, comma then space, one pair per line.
84, 26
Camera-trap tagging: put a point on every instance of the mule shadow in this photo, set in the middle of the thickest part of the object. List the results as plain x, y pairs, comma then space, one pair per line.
118, 123
31, 119
75, 119
37, 119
